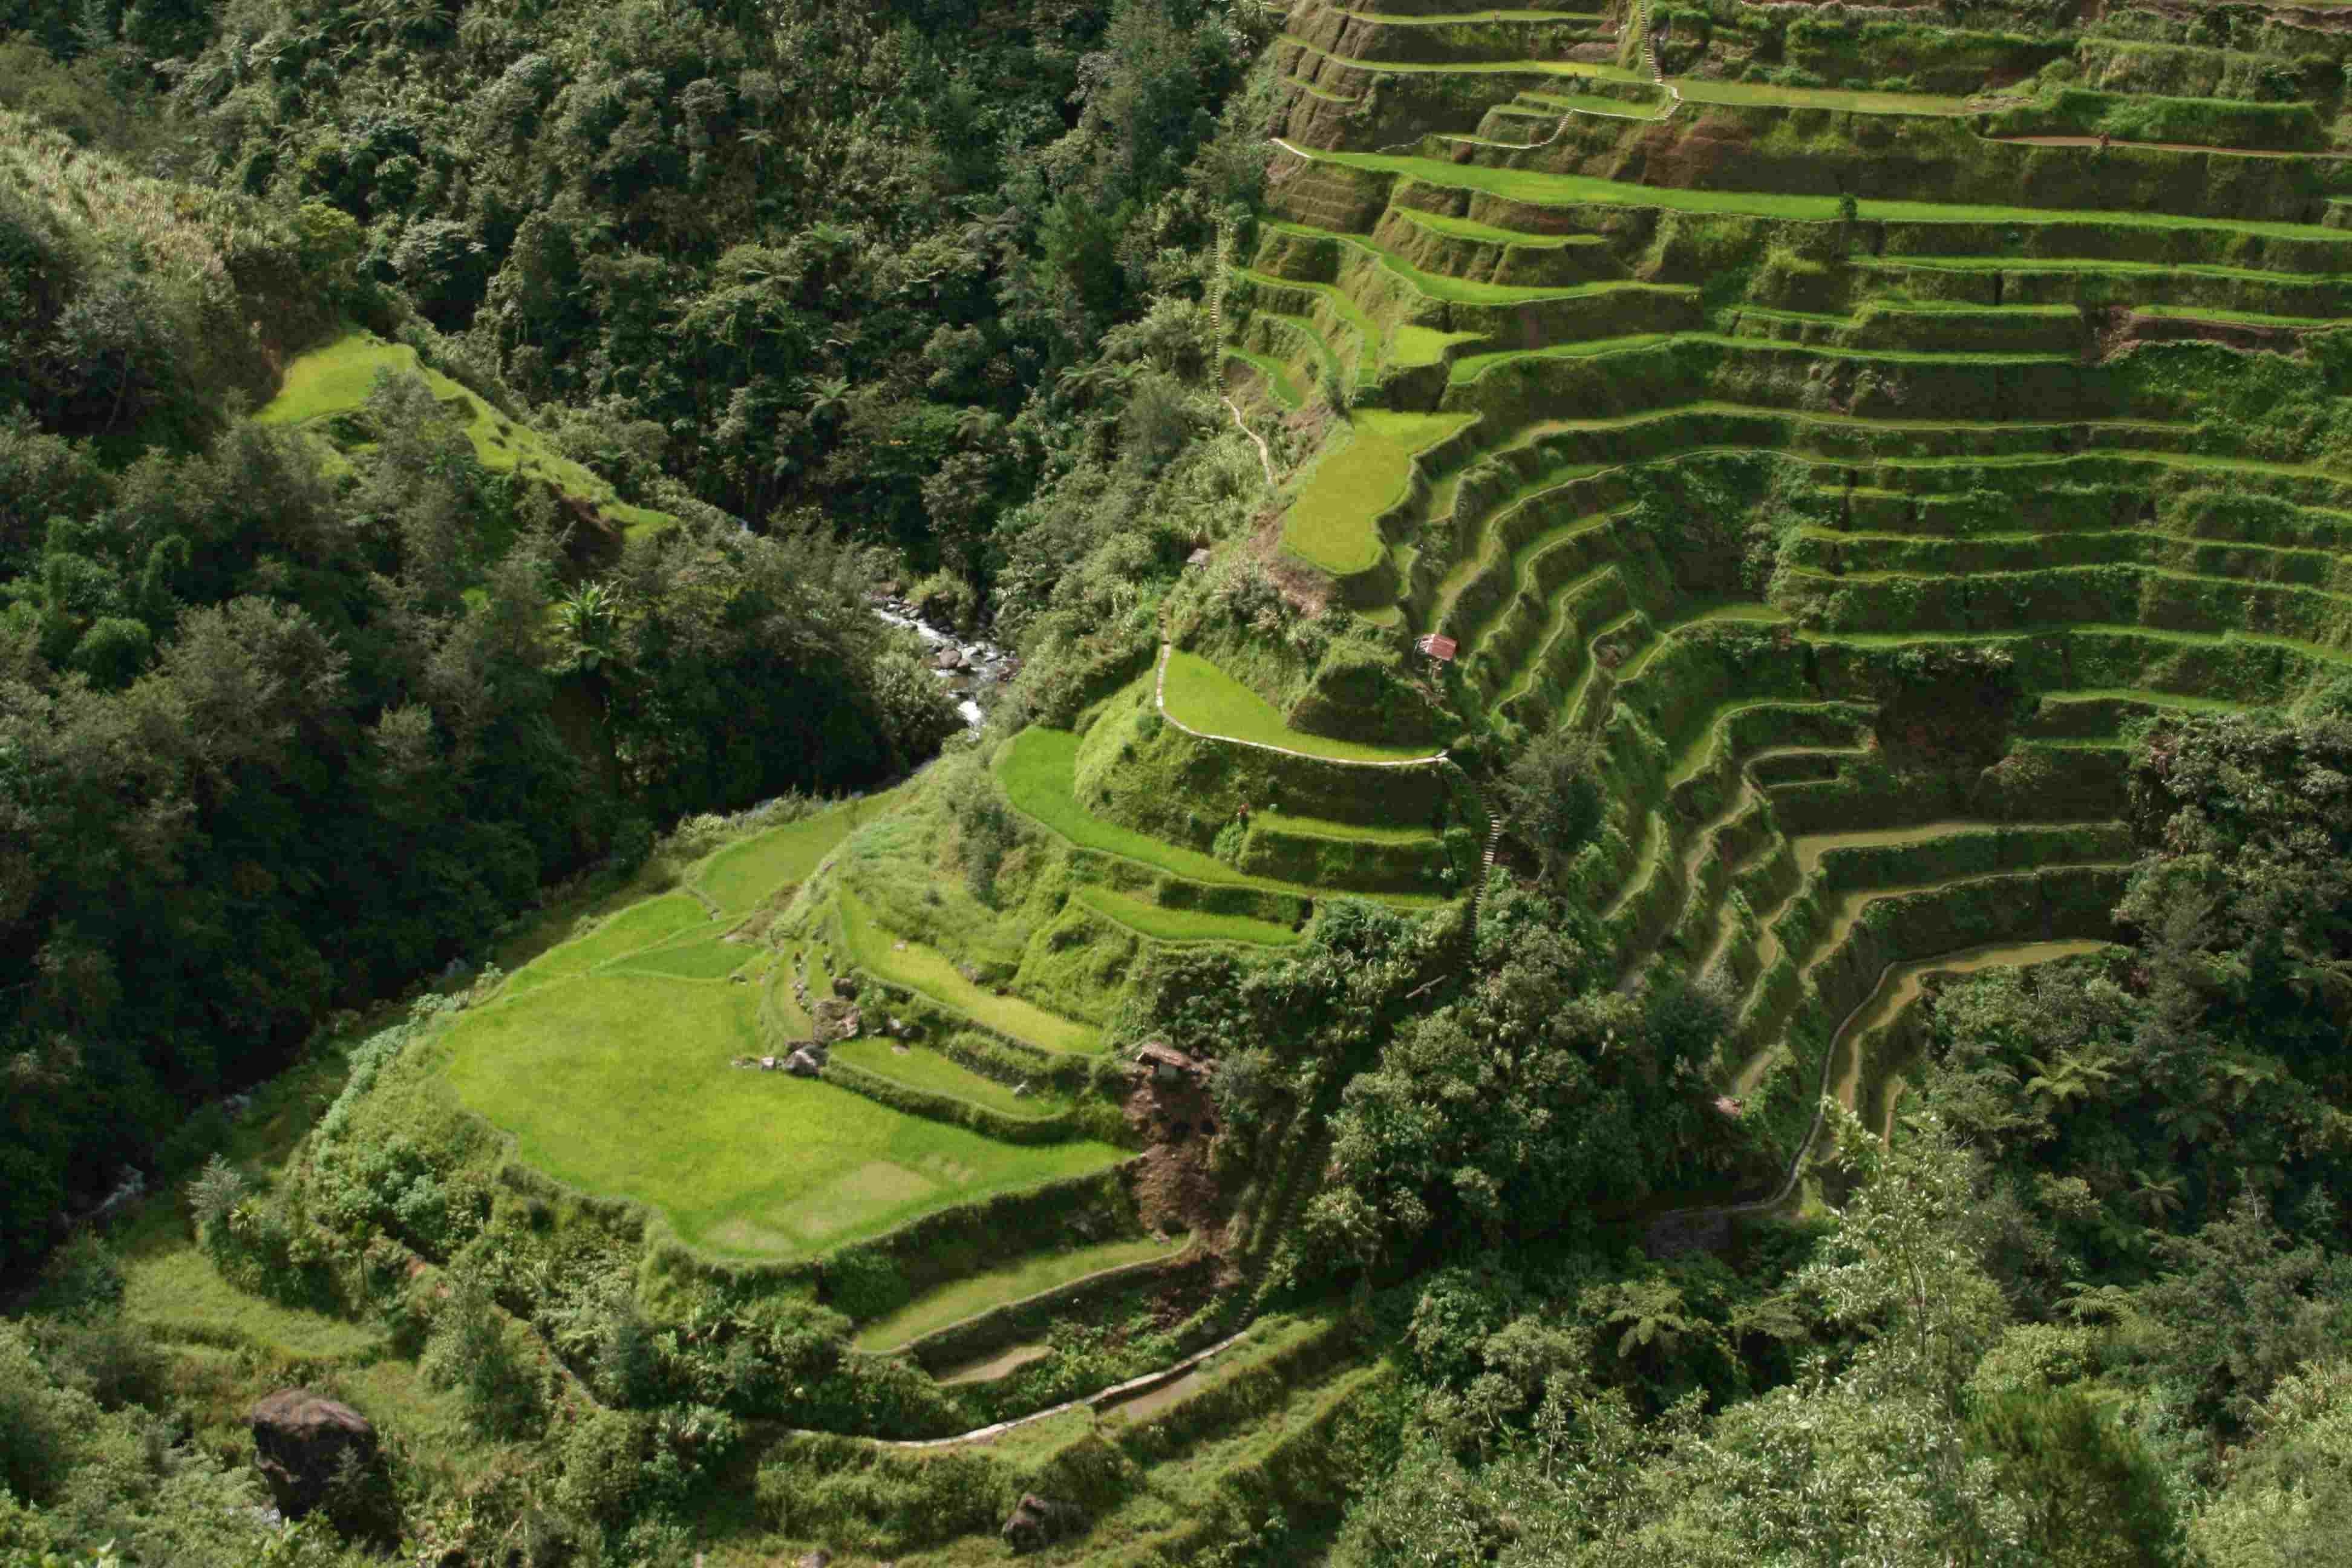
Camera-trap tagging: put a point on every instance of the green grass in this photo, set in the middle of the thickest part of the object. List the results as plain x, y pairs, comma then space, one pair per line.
2182, 702
1537, 188
741, 876
877, 949
1474, 67
2247, 318
1038, 769
1276, 375
338, 378
171, 1288
1332, 523
622, 1086
1470, 367
1754, 92
919, 1067
1163, 924
2084, 265
1557, 103
1342, 304
710, 958
1468, 291
1442, 19
1205, 698
1311, 91
1488, 234
638, 927
978, 1293
1411, 345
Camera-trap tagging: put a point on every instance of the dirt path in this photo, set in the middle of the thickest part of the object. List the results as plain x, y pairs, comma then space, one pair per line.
1109, 1396
1707, 1216
1264, 455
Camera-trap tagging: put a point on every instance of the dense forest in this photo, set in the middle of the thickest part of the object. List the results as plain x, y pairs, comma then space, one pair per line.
302, 720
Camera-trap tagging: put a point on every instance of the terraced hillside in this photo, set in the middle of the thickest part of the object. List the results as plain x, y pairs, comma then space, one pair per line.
1850, 427
1854, 423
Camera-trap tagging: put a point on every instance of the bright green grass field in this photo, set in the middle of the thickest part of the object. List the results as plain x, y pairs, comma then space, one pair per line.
707, 958
1539, 188
922, 1068
640, 926
338, 378
739, 876
877, 949
1331, 524
1038, 769
978, 1293
621, 1085
1201, 697
170, 1285
1163, 924
1414, 345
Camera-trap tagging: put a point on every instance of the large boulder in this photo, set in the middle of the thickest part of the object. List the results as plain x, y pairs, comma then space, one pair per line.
301, 1440
1038, 1522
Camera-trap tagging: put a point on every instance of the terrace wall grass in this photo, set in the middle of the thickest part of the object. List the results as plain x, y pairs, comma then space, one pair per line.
951, 1108
2048, 904
982, 1334
1137, 770
2181, 70
884, 1273
2117, 595
2198, 122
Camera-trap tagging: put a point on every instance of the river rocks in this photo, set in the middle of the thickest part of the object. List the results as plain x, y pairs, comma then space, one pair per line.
1038, 1522
836, 1020
301, 1440
972, 669
844, 987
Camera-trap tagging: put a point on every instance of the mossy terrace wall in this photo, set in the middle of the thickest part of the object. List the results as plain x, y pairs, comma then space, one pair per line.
1996, 455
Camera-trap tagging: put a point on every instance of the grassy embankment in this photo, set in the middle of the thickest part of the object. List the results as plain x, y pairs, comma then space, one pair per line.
620, 1082
334, 380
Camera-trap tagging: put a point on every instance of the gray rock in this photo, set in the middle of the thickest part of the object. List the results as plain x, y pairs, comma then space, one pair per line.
301, 1440
1038, 1522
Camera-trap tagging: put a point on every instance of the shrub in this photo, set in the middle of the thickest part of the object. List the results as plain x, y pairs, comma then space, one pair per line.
475, 1351
945, 597
39, 1422
603, 1460
633, 844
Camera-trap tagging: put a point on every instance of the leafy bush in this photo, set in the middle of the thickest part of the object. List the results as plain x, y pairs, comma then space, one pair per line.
489, 1360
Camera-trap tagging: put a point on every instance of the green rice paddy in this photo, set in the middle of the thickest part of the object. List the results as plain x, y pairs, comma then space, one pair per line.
919, 1067
1204, 697
890, 957
1537, 188
741, 876
1161, 923
1332, 523
623, 1086
1017, 1282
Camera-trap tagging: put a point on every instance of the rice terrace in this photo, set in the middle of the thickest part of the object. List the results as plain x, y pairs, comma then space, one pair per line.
1655, 866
